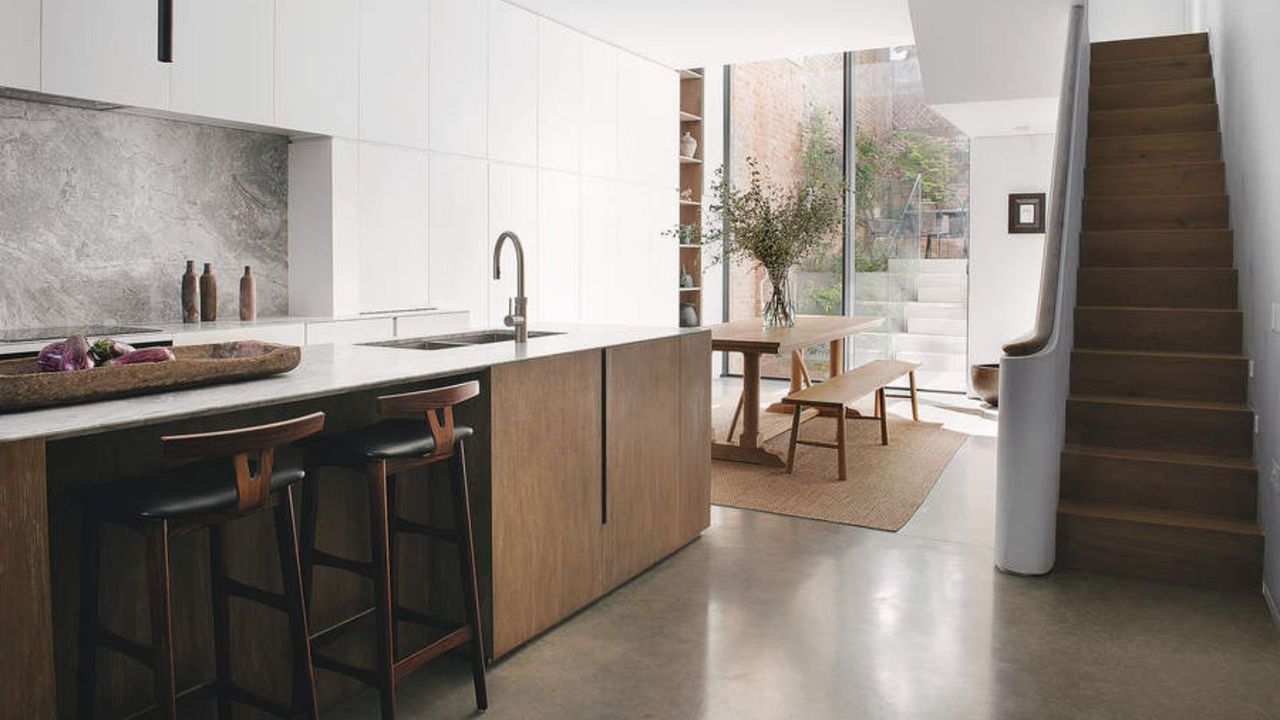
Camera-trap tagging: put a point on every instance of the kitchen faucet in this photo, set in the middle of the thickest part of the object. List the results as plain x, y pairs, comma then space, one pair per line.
518, 306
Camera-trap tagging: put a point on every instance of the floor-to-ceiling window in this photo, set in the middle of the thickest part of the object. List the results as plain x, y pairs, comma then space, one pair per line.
903, 253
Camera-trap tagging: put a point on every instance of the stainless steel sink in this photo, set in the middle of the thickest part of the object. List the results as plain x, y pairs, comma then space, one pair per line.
447, 342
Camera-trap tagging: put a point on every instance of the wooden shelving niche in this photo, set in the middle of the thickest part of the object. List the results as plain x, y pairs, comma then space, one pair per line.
691, 186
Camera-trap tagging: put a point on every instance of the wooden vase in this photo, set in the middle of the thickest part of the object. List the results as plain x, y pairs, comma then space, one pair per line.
248, 296
208, 295
190, 294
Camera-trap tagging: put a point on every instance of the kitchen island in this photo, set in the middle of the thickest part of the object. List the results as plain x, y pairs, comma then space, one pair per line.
591, 462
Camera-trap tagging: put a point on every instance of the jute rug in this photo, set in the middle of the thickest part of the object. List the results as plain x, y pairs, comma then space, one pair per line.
886, 483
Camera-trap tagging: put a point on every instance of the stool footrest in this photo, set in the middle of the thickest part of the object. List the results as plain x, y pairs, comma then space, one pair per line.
417, 659
818, 443
252, 699
414, 528
258, 595
320, 557
336, 630
368, 677
191, 695
121, 644
420, 618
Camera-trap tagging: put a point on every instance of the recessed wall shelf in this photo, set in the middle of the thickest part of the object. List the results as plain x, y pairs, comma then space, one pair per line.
689, 117
690, 203
689, 289
689, 160
690, 75
689, 308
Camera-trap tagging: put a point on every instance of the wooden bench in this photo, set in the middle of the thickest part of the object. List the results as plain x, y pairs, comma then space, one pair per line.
834, 396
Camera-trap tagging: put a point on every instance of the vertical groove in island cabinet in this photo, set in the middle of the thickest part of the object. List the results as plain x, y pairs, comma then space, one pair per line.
545, 493
695, 435
642, 464
26, 621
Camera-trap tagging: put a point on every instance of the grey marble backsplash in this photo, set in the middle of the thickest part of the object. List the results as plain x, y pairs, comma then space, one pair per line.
100, 210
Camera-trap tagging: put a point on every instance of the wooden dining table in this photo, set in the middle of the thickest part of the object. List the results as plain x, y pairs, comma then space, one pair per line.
753, 340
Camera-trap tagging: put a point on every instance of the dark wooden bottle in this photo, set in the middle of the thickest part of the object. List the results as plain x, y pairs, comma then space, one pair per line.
190, 294
248, 296
208, 294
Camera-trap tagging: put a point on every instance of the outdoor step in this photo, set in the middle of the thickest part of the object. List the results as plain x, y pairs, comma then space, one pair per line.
942, 294
1205, 428
1153, 121
1162, 46
948, 311
1157, 287
1156, 248
1173, 330
1215, 377
1163, 480
905, 343
942, 380
943, 362
1156, 212
1159, 544
936, 326
1170, 67
1161, 93
1208, 178
1188, 147
941, 280
929, 265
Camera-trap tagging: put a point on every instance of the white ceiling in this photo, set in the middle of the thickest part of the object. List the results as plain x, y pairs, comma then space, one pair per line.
696, 33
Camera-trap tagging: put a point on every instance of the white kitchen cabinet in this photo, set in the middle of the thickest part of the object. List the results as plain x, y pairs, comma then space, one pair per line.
558, 261
411, 326
223, 60
599, 109
393, 190
664, 261
601, 272
459, 247
513, 84
317, 63
20, 44
284, 333
632, 262
355, 330
103, 50
393, 72
458, 82
559, 96
513, 205
648, 127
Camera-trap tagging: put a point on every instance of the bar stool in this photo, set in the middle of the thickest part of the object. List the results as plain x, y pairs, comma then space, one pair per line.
240, 475
380, 451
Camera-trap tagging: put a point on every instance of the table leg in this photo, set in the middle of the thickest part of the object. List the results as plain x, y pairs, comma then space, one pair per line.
799, 379
748, 448
836, 362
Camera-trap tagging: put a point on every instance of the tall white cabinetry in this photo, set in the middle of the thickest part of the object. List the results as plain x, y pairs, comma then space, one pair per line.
223, 66
103, 50
20, 44
317, 66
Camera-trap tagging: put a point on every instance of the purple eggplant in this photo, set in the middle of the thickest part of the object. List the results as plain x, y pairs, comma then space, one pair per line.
50, 357
108, 348
76, 354
145, 355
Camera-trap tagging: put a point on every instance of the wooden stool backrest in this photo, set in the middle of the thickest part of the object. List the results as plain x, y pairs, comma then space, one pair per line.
437, 404
252, 489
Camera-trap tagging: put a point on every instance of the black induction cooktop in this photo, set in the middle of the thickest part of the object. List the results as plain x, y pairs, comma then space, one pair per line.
58, 333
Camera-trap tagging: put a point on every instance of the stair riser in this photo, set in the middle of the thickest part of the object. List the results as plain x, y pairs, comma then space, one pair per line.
1172, 330
1171, 429
1155, 149
1148, 95
1147, 48
1174, 212
1188, 288
1157, 377
1181, 487
1150, 70
1194, 179
1156, 552
1206, 248
1154, 121
937, 326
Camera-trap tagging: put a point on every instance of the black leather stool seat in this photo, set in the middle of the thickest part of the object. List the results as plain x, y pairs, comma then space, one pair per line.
200, 488
380, 441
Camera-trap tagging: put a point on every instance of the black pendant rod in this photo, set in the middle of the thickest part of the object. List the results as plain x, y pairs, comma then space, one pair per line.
165, 43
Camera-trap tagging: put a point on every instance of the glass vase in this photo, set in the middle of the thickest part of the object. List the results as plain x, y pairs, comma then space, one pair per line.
778, 302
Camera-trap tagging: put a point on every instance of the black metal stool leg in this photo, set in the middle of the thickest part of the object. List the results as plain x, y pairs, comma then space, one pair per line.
221, 618
379, 528
467, 563
90, 557
157, 534
304, 681
393, 564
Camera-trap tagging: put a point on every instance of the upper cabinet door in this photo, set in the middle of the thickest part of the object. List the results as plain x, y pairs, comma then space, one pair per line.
559, 96
103, 50
460, 249
458, 80
513, 84
599, 109
393, 72
393, 228
223, 60
20, 44
648, 122
317, 66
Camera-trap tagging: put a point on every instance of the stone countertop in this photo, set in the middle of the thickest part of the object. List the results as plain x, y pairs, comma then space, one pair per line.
324, 370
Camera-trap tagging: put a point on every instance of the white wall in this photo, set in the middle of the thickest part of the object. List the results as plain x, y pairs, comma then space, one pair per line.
1122, 19
1245, 55
1004, 269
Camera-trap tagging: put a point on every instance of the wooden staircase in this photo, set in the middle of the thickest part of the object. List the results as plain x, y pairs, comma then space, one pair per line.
1158, 479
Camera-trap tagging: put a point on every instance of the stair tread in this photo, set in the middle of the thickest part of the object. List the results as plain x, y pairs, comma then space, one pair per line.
1152, 516
1158, 166
1164, 456
1132, 111
1136, 62
1161, 402
1140, 308
1158, 198
1150, 83
1183, 354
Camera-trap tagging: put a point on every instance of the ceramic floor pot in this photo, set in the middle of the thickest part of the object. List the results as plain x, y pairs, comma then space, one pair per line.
985, 378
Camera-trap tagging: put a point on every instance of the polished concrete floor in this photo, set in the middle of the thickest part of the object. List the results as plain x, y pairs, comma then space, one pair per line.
768, 617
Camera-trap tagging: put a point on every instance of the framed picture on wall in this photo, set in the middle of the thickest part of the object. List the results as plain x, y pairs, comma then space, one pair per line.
1026, 212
